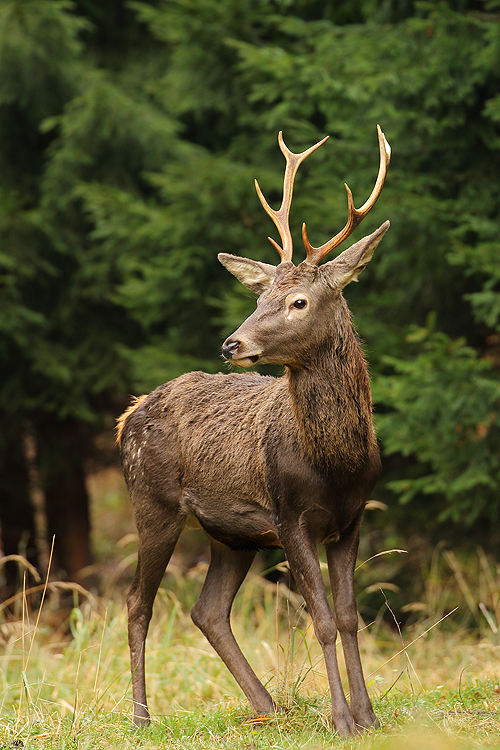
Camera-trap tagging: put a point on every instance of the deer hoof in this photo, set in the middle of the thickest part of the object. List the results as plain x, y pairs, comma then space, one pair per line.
367, 722
345, 727
141, 721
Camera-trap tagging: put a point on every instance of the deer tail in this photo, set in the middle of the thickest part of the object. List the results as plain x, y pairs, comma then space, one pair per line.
120, 422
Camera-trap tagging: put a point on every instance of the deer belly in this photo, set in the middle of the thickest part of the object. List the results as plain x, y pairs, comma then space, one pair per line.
235, 523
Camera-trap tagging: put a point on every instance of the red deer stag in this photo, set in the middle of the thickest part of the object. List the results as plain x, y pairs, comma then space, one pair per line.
264, 462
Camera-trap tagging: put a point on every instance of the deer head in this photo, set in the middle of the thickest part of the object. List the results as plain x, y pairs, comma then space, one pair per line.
299, 305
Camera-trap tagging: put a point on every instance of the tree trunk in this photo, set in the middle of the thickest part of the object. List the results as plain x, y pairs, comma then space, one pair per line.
62, 448
17, 524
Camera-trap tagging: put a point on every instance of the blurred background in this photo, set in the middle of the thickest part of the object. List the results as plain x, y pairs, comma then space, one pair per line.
130, 135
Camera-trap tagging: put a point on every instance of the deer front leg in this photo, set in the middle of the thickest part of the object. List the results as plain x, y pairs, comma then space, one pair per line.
211, 612
341, 558
303, 559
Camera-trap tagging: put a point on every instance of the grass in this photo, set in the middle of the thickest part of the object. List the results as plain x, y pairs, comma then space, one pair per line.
73, 691
65, 683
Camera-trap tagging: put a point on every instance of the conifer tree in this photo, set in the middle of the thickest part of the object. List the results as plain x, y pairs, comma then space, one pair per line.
130, 136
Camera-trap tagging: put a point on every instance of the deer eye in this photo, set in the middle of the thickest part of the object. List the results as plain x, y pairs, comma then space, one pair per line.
300, 304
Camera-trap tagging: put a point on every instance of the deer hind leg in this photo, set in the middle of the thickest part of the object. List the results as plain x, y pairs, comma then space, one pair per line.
157, 539
302, 555
341, 558
225, 575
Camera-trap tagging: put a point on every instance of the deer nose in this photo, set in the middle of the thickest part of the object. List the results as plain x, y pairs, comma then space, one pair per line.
230, 347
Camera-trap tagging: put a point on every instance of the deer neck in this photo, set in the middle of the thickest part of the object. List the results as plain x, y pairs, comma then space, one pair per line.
331, 402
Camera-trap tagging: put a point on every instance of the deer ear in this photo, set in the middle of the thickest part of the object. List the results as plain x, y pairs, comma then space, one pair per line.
348, 265
253, 274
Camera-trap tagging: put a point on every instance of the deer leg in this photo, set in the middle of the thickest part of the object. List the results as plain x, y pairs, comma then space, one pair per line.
341, 562
225, 575
156, 544
303, 559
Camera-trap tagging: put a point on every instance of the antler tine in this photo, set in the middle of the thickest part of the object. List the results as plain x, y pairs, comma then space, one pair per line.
356, 215
281, 217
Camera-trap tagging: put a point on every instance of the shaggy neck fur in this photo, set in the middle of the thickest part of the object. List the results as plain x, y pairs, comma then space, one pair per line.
332, 403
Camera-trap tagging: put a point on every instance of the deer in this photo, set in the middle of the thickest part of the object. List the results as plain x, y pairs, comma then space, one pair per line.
263, 462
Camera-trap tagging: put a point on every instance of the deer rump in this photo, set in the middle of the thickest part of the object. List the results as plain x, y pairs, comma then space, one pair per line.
264, 462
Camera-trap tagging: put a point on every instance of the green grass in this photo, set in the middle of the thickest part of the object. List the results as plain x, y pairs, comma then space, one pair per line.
439, 718
65, 682
72, 690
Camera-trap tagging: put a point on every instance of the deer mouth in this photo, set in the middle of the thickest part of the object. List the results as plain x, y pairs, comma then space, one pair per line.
246, 361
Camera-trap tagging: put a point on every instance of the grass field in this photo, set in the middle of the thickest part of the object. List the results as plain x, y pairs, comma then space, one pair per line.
65, 683
72, 691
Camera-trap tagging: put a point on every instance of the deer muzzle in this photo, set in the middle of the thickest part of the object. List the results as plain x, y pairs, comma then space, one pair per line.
232, 351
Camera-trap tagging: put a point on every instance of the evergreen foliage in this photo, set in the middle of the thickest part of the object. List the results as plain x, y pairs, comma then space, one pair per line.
130, 134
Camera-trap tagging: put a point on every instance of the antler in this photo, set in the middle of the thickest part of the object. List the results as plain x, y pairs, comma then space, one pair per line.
281, 216
356, 215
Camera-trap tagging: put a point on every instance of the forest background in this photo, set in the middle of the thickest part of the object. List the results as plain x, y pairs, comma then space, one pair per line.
130, 135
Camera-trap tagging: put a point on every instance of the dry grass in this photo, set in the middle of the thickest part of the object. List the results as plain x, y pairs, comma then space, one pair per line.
54, 687
66, 684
